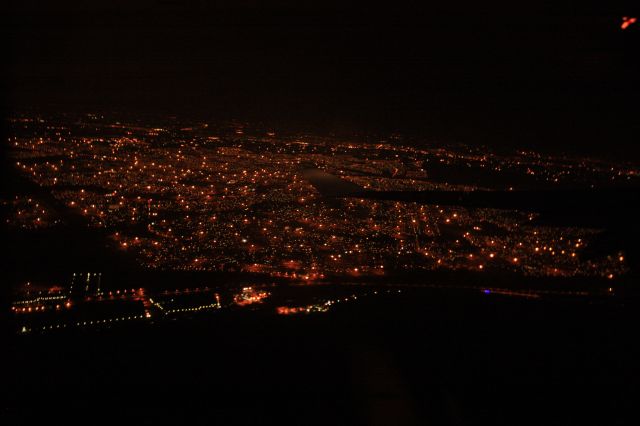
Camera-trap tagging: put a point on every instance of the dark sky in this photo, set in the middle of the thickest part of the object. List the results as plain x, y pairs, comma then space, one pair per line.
526, 74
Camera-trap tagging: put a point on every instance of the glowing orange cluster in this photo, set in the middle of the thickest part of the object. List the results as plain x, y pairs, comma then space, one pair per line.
627, 21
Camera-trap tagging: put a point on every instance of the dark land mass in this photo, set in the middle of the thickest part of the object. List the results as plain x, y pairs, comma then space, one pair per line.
424, 356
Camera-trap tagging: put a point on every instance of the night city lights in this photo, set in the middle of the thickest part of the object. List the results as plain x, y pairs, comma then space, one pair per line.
282, 212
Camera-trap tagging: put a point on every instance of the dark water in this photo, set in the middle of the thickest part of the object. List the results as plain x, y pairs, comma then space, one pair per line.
330, 185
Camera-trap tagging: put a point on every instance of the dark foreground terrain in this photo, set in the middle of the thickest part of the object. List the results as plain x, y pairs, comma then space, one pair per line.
425, 356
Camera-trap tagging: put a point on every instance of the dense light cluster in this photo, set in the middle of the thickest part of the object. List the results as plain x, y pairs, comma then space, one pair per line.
224, 198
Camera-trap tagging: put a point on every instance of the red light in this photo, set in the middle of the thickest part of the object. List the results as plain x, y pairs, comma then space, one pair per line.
626, 22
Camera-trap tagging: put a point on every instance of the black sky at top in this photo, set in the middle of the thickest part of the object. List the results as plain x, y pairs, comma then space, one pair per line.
531, 76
